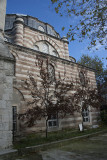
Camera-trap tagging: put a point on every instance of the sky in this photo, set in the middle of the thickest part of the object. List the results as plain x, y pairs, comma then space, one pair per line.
44, 11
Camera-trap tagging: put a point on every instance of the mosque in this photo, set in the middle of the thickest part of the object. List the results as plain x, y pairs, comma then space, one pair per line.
22, 38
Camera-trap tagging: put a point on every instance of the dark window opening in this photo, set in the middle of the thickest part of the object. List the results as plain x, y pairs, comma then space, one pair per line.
53, 121
14, 110
85, 115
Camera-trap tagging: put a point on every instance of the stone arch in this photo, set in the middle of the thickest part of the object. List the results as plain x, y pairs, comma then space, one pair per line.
54, 53
19, 93
14, 53
35, 47
49, 40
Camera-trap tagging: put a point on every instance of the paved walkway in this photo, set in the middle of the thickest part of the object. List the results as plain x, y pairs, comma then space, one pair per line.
94, 148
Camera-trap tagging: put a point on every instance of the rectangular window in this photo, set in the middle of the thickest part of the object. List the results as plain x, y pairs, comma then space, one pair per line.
14, 119
53, 121
85, 114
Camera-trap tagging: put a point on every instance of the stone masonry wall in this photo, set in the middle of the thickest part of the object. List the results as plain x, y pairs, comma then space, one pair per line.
25, 61
6, 91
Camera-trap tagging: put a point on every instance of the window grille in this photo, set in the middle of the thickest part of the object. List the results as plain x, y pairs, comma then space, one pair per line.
45, 48
14, 110
41, 28
85, 114
35, 47
54, 53
53, 121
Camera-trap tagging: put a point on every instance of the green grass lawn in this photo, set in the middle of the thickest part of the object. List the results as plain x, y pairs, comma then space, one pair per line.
39, 138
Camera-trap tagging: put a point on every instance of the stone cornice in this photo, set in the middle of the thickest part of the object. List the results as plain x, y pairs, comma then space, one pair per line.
25, 49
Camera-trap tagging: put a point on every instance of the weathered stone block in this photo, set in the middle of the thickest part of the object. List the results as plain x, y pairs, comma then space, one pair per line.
1, 71
5, 143
9, 91
5, 118
3, 111
9, 69
1, 134
6, 97
8, 104
2, 79
7, 135
9, 80
8, 85
2, 104
6, 126
11, 125
10, 96
9, 73
0, 118
1, 64
1, 91
1, 126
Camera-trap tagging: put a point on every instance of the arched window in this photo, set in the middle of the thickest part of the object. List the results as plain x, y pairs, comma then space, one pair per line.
54, 53
51, 72
45, 48
35, 47
41, 28
82, 78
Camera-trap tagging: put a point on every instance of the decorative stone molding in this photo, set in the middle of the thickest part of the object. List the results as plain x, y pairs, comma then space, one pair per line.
45, 38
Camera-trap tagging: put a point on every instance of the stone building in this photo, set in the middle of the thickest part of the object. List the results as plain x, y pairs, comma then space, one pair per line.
25, 37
